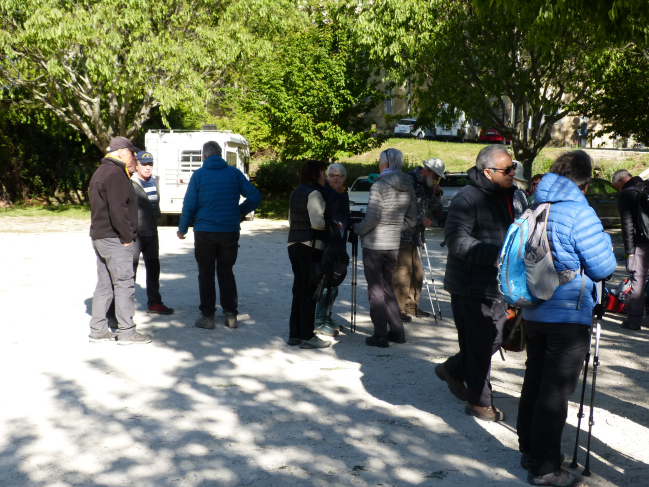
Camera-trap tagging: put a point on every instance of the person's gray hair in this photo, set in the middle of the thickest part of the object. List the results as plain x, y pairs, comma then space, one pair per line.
487, 156
211, 148
621, 174
337, 167
394, 158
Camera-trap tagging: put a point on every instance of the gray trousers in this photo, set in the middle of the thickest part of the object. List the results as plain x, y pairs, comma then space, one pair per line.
638, 267
115, 280
384, 307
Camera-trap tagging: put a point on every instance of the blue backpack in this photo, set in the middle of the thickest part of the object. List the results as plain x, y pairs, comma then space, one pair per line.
526, 272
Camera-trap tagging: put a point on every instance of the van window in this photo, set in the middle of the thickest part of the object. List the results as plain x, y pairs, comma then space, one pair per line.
190, 160
231, 158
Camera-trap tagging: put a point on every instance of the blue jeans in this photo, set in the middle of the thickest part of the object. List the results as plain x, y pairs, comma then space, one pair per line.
325, 305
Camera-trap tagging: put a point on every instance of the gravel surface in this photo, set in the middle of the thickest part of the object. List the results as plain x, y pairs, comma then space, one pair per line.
240, 407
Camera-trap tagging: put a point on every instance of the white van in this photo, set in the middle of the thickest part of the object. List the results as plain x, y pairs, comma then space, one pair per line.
461, 130
178, 153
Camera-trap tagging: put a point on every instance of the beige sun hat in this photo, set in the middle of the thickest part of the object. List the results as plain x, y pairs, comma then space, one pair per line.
435, 165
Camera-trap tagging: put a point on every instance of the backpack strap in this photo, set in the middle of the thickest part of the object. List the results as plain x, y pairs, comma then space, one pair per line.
583, 286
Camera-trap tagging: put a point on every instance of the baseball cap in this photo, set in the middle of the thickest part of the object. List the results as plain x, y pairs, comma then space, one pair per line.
435, 165
144, 157
122, 143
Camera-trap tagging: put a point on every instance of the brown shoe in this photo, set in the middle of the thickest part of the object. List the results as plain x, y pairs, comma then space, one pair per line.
489, 413
455, 386
422, 313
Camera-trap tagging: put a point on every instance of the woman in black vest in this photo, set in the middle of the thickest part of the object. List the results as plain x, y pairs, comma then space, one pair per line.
307, 226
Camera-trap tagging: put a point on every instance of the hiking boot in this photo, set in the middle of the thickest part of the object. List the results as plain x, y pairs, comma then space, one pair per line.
421, 313
489, 413
374, 341
628, 326
134, 339
291, 342
406, 318
326, 329
560, 477
526, 460
206, 322
315, 342
109, 336
159, 308
230, 320
457, 388
397, 337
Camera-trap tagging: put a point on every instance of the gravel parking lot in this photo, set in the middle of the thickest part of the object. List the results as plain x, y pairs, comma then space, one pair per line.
239, 407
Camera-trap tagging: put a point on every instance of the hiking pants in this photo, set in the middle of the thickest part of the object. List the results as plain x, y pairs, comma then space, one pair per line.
115, 280
555, 353
384, 308
479, 324
302, 318
639, 268
408, 278
149, 247
217, 250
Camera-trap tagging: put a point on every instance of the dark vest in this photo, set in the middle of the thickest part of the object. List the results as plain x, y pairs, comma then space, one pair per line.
300, 225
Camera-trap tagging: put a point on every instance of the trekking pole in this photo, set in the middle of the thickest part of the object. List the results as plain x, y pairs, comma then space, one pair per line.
354, 282
591, 422
426, 281
580, 414
430, 269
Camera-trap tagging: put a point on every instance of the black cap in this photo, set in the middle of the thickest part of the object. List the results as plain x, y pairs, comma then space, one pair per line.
122, 143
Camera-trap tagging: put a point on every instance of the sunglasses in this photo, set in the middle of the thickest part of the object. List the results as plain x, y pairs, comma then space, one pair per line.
505, 170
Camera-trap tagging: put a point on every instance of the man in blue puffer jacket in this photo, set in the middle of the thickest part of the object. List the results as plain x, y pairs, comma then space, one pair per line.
558, 330
212, 202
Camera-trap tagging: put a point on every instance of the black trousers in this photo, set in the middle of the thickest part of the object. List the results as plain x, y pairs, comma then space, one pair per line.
479, 324
217, 250
555, 353
384, 308
149, 247
302, 318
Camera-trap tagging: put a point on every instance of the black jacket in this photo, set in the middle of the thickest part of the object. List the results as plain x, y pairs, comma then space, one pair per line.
113, 208
627, 205
299, 222
337, 206
477, 222
147, 214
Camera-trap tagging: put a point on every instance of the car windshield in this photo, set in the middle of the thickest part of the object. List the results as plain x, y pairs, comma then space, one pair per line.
361, 185
455, 181
406, 121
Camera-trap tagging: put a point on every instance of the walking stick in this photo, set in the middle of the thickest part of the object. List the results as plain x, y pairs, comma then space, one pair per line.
354, 284
426, 281
580, 414
430, 269
591, 422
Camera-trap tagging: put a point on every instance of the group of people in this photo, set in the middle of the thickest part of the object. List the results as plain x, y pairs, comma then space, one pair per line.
557, 331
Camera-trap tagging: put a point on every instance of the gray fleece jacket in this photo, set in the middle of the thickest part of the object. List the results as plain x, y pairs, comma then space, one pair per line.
392, 208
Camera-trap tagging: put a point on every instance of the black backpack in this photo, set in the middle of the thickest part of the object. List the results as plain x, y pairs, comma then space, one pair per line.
331, 270
642, 209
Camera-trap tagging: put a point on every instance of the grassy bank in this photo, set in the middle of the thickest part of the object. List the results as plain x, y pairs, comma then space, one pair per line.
78, 212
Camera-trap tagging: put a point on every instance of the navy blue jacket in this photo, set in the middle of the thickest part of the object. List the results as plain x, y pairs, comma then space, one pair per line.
212, 198
576, 239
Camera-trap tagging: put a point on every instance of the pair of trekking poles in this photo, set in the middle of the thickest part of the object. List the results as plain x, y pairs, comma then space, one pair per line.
354, 243
591, 421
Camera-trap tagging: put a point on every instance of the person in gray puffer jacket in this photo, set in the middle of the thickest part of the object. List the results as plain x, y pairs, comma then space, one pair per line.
392, 208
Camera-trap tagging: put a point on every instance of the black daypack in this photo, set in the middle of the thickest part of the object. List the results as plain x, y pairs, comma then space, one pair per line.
331, 270
642, 209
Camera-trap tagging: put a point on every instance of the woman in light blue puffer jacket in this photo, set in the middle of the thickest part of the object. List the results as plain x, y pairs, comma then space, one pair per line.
558, 330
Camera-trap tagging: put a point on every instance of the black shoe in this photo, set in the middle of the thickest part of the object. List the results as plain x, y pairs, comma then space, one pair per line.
405, 318
526, 460
374, 341
422, 313
230, 320
397, 337
109, 336
291, 342
628, 326
134, 339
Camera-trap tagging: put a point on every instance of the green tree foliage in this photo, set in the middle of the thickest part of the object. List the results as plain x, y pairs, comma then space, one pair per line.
102, 66
312, 92
618, 93
457, 60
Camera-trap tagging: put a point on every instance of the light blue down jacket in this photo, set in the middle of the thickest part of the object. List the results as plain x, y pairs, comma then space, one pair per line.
212, 198
577, 239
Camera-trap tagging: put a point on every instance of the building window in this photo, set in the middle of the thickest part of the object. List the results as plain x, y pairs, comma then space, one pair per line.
388, 104
231, 159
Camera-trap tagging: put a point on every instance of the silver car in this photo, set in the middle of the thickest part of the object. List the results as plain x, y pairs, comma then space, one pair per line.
359, 195
451, 184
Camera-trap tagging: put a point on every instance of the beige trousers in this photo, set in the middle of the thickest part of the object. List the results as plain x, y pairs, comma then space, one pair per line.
408, 278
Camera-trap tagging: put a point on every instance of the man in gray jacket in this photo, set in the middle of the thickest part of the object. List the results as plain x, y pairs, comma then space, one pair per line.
147, 194
392, 208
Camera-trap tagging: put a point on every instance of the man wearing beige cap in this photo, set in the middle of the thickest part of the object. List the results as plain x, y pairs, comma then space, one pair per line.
408, 277
113, 228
